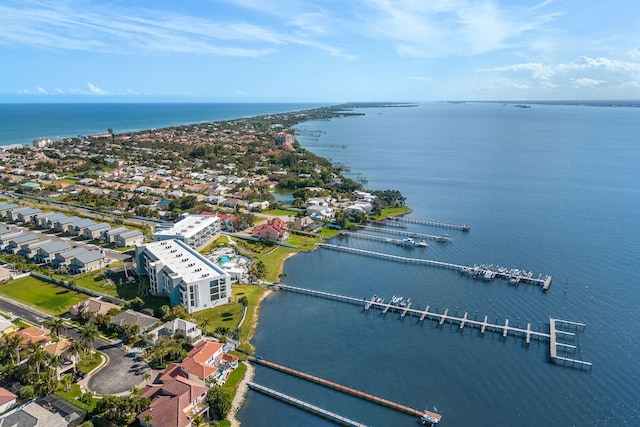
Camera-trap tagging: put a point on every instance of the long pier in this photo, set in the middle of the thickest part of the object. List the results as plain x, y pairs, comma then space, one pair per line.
331, 416
513, 275
443, 238
465, 321
344, 389
398, 242
463, 227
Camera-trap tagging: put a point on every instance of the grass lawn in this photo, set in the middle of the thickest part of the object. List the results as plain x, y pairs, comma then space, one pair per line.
88, 363
274, 260
229, 315
44, 295
72, 395
387, 212
280, 212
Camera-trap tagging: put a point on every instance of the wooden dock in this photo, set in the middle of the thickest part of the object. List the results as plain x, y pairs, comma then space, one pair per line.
517, 276
364, 236
504, 330
431, 223
442, 238
331, 416
344, 389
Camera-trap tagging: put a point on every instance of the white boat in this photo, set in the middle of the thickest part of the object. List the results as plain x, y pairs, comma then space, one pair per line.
422, 244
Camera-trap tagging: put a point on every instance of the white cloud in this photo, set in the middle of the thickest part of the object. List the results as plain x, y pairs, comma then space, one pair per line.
587, 82
585, 72
41, 91
95, 90
421, 79
634, 53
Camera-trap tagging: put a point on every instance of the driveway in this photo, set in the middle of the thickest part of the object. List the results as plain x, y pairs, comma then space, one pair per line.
119, 375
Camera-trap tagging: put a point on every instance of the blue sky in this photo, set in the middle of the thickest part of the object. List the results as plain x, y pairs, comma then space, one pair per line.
318, 50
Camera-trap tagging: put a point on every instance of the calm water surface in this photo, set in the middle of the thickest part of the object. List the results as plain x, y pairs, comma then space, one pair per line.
554, 189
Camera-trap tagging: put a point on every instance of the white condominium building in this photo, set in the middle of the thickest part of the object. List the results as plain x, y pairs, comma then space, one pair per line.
185, 276
194, 230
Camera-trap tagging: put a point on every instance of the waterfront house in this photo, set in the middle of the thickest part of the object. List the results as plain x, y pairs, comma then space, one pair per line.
274, 229
174, 403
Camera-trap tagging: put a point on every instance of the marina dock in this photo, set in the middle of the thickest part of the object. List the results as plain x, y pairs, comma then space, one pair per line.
515, 276
442, 238
398, 242
331, 416
465, 322
431, 223
344, 389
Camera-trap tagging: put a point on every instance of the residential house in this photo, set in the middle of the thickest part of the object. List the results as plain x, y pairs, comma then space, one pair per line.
129, 238
30, 249
320, 212
77, 228
46, 252
43, 219
32, 415
61, 348
174, 329
188, 278
274, 229
7, 400
6, 207
174, 403
306, 224
130, 317
66, 257
5, 274
6, 327
207, 361
33, 335
22, 214
62, 225
109, 235
92, 305
14, 244
86, 261
95, 231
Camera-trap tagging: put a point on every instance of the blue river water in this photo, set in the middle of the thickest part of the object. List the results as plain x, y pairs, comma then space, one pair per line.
554, 189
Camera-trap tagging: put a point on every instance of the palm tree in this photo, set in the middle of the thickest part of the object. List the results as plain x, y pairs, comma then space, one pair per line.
197, 420
76, 349
66, 381
13, 344
88, 335
135, 391
55, 362
56, 325
37, 357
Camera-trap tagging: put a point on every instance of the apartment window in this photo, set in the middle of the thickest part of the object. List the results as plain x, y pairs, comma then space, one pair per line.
192, 296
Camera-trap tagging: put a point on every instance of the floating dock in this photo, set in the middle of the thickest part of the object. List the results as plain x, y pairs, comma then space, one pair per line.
464, 322
513, 275
331, 416
344, 389
431, 223
442, 238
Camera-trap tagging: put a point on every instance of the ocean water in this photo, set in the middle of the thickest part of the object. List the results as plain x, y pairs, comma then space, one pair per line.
554, 189
22, 123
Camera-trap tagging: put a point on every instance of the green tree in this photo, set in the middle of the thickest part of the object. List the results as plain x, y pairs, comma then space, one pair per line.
56, 325
219, 401
88, 335
37, 358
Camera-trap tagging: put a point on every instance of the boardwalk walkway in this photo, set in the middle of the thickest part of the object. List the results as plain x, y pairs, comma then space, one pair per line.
513, 275
344, 389
331, 416
463, 322
410, 220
